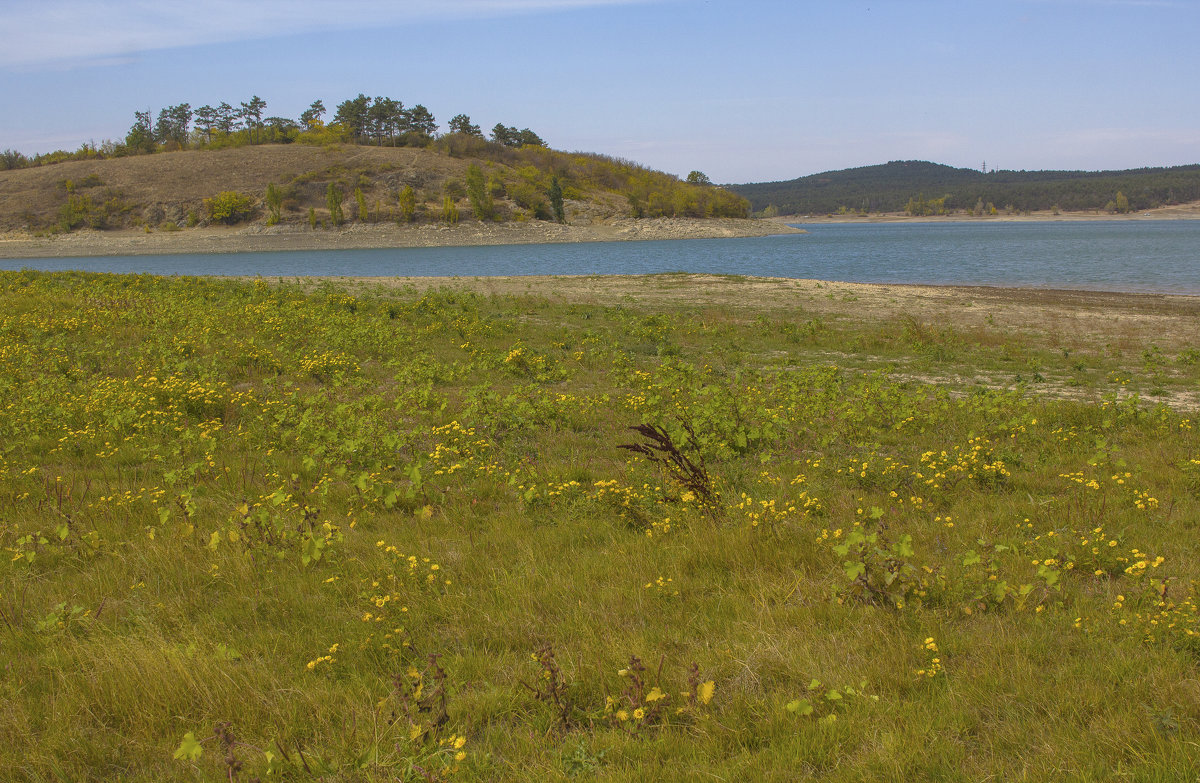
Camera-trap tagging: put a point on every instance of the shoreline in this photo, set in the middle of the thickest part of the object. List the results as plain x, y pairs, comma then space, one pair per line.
359, 236
1189, 211
714, 286
1070, 319
261, 238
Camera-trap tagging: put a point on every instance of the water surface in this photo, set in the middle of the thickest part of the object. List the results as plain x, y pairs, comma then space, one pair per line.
1143, 256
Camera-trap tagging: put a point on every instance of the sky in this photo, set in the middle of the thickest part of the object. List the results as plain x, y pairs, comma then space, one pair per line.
743, 90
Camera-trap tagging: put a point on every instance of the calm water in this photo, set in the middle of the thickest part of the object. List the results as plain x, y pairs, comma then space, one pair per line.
1157, 256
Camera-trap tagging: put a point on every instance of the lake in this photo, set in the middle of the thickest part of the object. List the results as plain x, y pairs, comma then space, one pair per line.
1118, 255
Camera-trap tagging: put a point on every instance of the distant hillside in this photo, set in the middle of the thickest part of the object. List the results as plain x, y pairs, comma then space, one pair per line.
455, 177
932, 187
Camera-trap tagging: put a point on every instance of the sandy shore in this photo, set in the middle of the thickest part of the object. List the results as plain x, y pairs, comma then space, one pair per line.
1177, 212
365, 236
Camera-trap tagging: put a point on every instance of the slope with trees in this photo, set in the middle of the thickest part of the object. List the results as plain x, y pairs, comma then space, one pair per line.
298, 171
306, 185
918, 186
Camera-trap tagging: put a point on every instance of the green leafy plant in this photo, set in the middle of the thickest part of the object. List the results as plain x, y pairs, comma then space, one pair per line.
877, 570
229, 207
823, 703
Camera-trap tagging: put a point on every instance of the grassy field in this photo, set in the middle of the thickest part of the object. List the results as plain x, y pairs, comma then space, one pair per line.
660, 528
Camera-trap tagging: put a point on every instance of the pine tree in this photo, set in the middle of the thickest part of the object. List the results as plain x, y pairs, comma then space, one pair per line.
310, 118
252, 114
461, 123
141, 136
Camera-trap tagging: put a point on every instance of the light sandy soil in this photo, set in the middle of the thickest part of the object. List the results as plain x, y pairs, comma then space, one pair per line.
289, 237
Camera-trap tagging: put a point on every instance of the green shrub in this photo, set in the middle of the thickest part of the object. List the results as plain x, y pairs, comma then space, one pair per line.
229, 207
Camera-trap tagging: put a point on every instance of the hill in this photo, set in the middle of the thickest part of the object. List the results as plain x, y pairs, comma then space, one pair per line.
921, 187
171, 190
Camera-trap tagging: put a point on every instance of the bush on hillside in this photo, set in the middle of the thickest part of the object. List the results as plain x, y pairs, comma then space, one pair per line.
229, 207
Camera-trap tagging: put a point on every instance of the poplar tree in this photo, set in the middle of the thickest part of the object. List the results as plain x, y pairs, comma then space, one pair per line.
556, 201
481, 201
274, 203
361, 200
408, 204
333, 200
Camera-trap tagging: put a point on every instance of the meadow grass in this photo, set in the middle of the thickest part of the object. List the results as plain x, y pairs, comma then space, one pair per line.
357, 532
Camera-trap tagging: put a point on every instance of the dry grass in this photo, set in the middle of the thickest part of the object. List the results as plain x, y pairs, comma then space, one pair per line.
183, 179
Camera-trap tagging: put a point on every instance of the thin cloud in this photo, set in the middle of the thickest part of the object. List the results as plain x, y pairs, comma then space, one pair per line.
1123, 135
81, 33
1117, 3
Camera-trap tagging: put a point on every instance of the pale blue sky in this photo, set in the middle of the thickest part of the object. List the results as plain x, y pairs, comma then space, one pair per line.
745, 90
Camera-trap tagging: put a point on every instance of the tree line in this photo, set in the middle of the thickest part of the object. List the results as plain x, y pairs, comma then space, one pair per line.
924, 188
359, 120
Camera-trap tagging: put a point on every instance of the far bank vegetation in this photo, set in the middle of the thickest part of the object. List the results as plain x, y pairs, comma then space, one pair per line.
921, 188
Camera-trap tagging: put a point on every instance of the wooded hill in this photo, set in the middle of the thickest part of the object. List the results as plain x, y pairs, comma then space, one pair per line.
921, 187
376, 160
454, 177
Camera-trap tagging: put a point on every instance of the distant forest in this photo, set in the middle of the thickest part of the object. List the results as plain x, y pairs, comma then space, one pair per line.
924, 188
